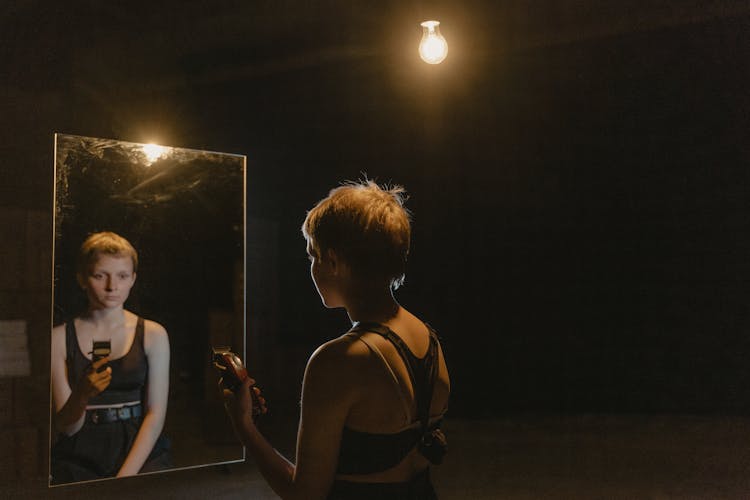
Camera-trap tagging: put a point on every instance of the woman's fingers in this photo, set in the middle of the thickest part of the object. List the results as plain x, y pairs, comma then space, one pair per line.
245, 400
226, 394
259, 402
102, 375
99, 363
103, 379
98, 380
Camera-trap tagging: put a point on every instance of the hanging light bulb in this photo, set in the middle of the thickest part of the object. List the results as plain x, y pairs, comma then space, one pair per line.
433, 48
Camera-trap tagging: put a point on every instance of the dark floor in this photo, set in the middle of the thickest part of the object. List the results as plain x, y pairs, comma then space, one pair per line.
517, 457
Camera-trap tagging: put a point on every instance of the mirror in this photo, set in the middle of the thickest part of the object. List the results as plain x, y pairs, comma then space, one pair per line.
183, 211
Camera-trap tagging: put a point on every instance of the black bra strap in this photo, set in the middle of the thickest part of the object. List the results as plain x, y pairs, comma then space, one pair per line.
423, 388
139, 331
71, 345
430, 375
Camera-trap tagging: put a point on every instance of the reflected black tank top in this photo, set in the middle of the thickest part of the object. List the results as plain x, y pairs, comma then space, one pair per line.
128, 372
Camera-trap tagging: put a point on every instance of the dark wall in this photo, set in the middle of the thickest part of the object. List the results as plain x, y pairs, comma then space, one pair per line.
580, 207
580, 210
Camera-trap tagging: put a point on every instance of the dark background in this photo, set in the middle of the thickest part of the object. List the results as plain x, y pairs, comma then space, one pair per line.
577, 171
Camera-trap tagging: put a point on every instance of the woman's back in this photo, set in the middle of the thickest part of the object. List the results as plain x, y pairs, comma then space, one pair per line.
386, 404
366, 398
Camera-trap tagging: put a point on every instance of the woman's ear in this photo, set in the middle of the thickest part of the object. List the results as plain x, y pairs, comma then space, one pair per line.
332, 260
336, 264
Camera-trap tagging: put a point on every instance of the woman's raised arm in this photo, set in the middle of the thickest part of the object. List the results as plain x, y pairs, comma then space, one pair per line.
70, 403
327, 396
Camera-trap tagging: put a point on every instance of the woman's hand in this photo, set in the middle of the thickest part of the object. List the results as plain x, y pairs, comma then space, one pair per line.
245, 403
94, 381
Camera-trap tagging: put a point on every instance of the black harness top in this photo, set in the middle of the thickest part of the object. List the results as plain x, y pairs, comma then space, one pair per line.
364, 452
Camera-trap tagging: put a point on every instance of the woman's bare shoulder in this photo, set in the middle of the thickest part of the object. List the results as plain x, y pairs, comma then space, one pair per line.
153, 328
338, 354
150, 328
336, 348
334, 372
155, 338
58, 340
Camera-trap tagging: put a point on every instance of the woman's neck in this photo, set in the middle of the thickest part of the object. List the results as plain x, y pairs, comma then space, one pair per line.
378, 307
106, 317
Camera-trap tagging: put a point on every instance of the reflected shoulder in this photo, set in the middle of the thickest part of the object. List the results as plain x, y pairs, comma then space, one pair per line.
153, 328
58, 340
58, 330
155, 337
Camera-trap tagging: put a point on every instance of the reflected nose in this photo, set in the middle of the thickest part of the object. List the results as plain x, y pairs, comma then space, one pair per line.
110, 284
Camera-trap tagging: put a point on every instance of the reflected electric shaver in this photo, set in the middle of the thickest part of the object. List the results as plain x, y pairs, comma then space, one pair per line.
100, 349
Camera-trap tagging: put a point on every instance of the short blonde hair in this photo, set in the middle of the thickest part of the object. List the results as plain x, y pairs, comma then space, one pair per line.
107, 243
367, 225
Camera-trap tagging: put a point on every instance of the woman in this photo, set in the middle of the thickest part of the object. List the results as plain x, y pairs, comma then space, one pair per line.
110, 412
371, 399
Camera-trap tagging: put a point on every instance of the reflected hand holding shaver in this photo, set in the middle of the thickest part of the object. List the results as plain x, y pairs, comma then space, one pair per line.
233, 375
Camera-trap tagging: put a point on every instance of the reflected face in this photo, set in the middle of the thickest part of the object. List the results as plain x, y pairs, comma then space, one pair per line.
109, 281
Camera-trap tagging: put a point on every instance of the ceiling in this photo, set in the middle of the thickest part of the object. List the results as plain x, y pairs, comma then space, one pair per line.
208, 42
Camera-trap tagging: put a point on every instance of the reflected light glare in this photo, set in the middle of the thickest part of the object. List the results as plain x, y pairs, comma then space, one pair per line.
433, 48
153, 152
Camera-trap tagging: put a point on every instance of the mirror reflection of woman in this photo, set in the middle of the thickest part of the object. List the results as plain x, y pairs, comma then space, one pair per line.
373, 398
110, 412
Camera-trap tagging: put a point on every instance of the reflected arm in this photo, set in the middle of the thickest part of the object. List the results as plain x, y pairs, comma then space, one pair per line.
70, 405
156, 344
